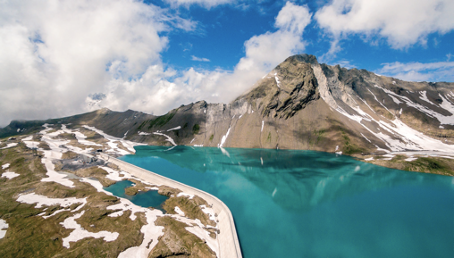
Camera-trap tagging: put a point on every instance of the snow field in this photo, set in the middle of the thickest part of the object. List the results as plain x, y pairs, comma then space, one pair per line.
80, 233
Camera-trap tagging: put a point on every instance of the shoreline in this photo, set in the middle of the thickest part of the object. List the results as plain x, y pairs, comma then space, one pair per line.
228, 242
60, 147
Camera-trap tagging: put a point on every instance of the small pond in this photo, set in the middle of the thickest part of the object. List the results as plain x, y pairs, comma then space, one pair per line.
149, 198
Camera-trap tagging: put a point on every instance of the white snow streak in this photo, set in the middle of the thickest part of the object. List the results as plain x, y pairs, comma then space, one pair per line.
190, 196
446, 105
366, 138
79, 136
175, 128
277, 80
179, 211
5, 166
423, 96
224, 138
112, 142
169, 139
144, 133
375, 97
3, 228
390, 94
9, 145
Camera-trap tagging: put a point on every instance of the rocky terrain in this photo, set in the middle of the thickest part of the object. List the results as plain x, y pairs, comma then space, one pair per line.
53, 202
303, 104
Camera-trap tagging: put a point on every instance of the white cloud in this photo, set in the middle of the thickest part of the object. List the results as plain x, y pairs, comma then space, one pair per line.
264, 52
205, 3
415, 71
55, 53
200, 59
402, 22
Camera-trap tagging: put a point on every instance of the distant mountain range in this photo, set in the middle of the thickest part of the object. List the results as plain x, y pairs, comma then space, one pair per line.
301, 104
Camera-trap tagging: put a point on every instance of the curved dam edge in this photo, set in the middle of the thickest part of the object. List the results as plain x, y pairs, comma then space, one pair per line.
229, 245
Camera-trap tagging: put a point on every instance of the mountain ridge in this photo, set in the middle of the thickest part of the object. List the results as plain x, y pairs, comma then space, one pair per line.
300, 104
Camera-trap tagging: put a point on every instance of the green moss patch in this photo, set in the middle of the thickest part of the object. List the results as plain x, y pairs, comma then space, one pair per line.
430, 165
161, 120
349, 148
195, 129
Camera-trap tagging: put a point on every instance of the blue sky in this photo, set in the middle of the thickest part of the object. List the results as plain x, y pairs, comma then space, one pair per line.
60, 58
223, 29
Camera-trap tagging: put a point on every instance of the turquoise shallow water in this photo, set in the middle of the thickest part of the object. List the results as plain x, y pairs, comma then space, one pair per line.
144, 199
315, 204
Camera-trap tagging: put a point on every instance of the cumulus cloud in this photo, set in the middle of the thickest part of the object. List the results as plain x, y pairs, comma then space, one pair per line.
415, 71
402, 22
55, 53
265, 51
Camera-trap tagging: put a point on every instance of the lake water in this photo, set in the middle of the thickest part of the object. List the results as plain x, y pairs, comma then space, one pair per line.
314, 204
144, 199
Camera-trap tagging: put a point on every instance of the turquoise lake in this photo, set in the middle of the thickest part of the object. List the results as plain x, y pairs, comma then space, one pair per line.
312, 204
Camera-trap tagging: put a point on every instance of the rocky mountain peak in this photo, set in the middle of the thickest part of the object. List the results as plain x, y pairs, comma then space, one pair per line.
286, 89
302, 58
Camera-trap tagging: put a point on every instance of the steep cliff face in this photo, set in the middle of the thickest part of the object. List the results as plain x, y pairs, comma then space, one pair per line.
302, 104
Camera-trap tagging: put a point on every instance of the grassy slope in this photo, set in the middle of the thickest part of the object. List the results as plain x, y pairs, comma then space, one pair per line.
433, 165
29, 235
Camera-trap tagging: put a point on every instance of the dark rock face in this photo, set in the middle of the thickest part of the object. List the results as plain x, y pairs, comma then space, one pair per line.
300, 80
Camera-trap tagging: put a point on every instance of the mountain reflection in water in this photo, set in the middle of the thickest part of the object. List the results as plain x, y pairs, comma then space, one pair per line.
315, 204
295, 180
